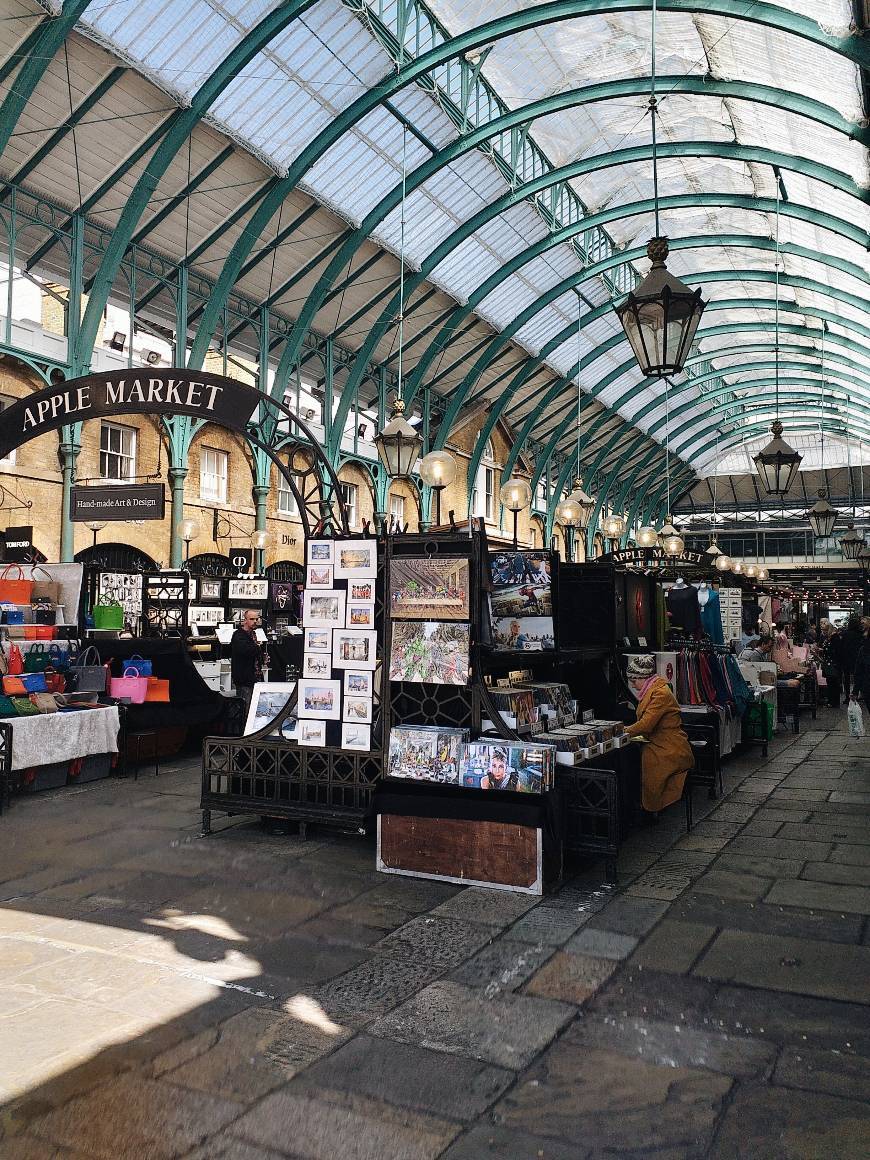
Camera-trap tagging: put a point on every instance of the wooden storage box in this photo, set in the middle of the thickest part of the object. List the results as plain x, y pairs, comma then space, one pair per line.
498, 855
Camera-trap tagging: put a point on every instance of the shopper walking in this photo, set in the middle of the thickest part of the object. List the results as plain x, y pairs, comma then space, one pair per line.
861, 674
245, 656
830, 653
852, 639
667, 756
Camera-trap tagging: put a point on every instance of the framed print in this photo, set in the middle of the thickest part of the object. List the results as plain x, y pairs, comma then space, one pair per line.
360, 615
429, 651
320, 551
425, 753
430, 589
323, 609
317, 640
318, 576
357, 710
358, 684
317, 664
361, 591
320, 700
521, 602
281, 595
267, 701
355, 559
248, 589
311, 732
205, 615
356, 736
352, 649
210, 589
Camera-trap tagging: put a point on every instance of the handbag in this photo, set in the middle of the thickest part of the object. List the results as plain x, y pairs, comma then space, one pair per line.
25, 683
16, 660
24, 707
44, 702
43, 613
143, 667
15, 590
44, 589
7, 709
59, 658
133, 688
43, 632
108, 616
12, 614
55, 681
37, 659
88, 677
158, 690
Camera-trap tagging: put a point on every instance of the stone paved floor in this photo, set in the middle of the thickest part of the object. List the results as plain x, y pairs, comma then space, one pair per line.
250, 997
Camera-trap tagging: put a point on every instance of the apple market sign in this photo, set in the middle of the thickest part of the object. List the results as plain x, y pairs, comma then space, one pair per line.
201, 394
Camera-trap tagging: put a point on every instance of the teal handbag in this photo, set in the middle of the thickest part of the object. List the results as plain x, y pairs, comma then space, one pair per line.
7, 708
37, 659
24, 707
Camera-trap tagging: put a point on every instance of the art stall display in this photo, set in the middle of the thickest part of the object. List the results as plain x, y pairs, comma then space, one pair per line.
429, 651
430, 589
506, 765
425, 753
521, 601
340, 644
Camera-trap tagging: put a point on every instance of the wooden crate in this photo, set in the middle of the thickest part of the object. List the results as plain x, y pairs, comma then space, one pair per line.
471, 852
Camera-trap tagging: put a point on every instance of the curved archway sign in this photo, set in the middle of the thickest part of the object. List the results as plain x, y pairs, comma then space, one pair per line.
212, 398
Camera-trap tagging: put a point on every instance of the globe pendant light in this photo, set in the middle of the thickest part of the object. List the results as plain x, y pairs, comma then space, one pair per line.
647, 537
660, 317
762, 573
822, 516
613, 527
575, 509
852, 543
752, 571
737, 567
777, 463
723, 563
670, 539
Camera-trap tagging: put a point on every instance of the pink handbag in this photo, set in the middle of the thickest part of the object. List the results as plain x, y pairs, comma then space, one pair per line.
134, 688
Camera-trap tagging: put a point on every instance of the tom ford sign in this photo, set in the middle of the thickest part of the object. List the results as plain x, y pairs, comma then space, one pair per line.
176, 391
134, 501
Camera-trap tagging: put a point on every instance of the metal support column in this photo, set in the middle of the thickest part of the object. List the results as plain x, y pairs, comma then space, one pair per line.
177, 476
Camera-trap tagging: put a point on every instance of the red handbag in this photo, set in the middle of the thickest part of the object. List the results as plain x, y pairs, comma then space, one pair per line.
158, 690
16, 661
17, 591
55, 681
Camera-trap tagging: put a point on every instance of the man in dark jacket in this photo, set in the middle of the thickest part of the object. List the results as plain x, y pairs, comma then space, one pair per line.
852, 639
245, 656
830, 650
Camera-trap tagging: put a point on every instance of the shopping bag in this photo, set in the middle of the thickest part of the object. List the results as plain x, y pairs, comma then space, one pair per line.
142, 666
855, 718
88, 673
158, 690
108, 616
12, 614
24, 707
44, 702
132, 688
47, 589
37, 659
16, 660
15, 590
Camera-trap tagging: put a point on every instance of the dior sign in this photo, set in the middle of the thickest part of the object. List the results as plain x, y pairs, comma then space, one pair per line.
176, 391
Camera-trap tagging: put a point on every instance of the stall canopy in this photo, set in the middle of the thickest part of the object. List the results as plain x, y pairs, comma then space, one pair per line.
282, 155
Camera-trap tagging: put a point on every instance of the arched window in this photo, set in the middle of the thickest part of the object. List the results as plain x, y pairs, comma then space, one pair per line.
483, 494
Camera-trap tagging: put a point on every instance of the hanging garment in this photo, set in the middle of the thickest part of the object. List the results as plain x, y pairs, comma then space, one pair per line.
711, 618
683, 609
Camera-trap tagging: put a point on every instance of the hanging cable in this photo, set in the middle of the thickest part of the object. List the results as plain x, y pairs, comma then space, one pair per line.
402, 260
579, 390
776, 301
653, 104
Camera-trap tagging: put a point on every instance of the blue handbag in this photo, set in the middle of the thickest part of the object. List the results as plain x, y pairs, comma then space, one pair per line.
34, 682
12, 614
141, 666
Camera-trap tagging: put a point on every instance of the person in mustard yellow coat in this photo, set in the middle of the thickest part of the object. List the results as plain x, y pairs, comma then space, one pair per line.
667, 756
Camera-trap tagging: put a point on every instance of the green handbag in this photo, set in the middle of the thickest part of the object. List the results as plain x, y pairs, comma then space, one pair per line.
24, 707
7, 709
108, 616
37, 659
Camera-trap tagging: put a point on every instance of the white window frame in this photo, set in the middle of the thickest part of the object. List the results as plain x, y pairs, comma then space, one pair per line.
209, 470
397, 510
126, 455
8, 460
287, 505
483, 493
350, 495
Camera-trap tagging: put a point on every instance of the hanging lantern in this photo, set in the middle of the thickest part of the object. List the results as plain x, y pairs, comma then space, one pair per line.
574, 511
852, 543
647, 537
752, 571
661, 316
863, 559
722, 563
777, 463
762, 573
822, 516
613, 527
399, 444
670, 539
713, 549
737, 567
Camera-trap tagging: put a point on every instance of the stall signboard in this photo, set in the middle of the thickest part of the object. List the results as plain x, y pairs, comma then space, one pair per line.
123, 501
653, 558
18, 548
242, 559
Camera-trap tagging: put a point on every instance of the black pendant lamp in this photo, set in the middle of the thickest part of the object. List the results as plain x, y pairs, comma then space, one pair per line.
851, 543
822, 516
660, 317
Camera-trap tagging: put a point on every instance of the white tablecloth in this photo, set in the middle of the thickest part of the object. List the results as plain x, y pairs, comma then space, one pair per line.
51, 737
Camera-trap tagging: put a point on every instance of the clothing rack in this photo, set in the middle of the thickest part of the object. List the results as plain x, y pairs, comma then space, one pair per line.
677, 643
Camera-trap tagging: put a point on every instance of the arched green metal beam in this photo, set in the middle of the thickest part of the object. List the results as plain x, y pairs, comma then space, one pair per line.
179, 130
562, 385
696, 241
770, 15
556, 238
40, 48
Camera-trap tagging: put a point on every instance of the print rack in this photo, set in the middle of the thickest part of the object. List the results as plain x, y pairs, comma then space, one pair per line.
264, 774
